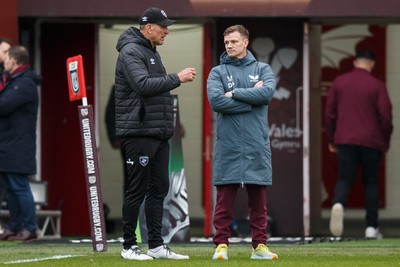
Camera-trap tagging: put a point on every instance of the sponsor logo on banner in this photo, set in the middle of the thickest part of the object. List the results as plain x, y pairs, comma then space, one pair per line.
84, 112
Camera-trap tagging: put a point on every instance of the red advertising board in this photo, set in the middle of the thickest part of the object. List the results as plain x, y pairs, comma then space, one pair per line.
76, 78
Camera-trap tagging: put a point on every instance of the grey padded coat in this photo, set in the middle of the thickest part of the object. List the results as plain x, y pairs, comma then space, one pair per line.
242, 153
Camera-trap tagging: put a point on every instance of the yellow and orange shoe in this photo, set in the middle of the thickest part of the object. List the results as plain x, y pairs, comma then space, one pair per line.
262, 253
221, 252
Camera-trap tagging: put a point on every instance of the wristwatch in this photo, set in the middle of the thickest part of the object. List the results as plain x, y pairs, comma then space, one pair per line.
233, 93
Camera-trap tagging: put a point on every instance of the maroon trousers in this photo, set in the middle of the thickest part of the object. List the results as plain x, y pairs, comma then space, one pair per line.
223, 214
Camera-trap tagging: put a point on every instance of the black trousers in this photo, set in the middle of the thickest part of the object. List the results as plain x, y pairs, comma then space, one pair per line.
146, 163
350, 157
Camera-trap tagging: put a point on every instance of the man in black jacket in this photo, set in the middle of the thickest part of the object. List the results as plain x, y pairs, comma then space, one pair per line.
144, 123
18, 115
5, 44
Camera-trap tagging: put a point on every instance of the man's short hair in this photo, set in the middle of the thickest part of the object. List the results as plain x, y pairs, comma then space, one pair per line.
366, 54
19, 53
237, 28
5, 40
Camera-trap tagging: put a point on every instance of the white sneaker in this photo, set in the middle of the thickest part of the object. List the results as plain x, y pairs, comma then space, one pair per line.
221, 252
372, 233
134, 253
336, 222
166, 253
263, 253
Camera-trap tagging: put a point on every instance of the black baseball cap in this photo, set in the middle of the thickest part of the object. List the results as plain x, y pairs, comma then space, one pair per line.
155, 15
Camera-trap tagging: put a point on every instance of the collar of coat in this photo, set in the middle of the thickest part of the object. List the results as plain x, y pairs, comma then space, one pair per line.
5, 76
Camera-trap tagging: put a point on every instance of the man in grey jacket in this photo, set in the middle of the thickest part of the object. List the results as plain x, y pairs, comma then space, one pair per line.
239, 90
144, 123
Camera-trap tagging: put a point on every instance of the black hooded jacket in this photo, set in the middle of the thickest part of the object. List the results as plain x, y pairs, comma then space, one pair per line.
19, 102
143, 101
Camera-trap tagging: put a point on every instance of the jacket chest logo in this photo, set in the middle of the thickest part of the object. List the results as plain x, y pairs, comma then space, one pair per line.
143, 160
152, 61
231, 84
254, 78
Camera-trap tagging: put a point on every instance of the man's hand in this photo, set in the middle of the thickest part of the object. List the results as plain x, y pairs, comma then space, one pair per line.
187, 75
259, 84
332, 148
228, 94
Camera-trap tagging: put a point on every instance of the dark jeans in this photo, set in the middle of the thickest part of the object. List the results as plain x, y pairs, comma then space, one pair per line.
223, 214
20, 202
147, 168
350, 157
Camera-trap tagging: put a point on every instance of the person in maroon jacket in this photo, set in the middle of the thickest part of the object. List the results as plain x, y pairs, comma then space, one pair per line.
358, 117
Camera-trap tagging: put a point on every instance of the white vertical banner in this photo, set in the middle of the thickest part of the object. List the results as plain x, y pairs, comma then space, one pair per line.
306, 132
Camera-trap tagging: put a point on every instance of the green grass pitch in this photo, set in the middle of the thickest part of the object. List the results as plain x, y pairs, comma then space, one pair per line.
385, 252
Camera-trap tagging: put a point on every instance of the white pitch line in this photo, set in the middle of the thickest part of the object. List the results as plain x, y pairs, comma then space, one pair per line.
57, 257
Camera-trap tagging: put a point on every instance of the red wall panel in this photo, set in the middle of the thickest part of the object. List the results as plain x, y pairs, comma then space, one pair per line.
62, 160
8, 20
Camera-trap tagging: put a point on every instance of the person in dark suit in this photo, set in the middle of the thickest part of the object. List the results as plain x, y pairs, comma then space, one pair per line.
18, 118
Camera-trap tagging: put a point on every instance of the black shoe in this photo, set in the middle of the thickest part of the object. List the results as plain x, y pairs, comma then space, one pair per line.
6, 234
24, 235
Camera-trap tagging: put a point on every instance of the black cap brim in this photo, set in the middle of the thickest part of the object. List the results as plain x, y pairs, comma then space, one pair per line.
167, 22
